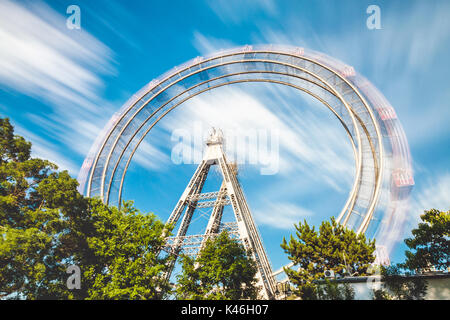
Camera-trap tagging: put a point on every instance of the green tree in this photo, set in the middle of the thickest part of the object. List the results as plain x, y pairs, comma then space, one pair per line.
123, 260
429, 247
46, 225
430, 244
332, 247
221, 271
30, 231
332, 290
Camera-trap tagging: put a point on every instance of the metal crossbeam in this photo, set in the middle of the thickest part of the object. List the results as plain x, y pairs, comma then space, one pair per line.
204, 196
191, 245
211, 204
231, 227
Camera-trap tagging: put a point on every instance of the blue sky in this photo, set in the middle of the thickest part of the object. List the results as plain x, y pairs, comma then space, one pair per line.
61, 86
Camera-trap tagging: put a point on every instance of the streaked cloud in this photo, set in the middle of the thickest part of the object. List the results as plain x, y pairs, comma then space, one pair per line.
281, 215
150, 157
40, 58
433, 195
62, 68
237, 11
207, 44
43, 149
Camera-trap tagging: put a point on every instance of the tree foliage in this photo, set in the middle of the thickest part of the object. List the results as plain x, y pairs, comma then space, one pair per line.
429, 248
399, 284
430, 244
333, 290
221, 271
332, 247
122, 260
46, 225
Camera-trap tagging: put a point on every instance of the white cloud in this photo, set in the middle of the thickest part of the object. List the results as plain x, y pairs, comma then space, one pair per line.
433, 195
420, 34
150, 157
41, 58
207, 45
236, 11
76, 132
44, 149
281, 215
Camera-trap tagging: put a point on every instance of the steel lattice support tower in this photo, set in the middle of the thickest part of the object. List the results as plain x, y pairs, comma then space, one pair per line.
230, 193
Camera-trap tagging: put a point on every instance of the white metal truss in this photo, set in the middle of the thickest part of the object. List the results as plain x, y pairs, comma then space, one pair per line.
230, 193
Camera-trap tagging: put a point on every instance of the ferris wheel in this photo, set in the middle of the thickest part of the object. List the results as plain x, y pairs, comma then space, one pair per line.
377, 200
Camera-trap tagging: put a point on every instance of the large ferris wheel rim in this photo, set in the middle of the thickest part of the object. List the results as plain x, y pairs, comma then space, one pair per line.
238, 52
162, 90
214, 66
210, 88
214, 87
